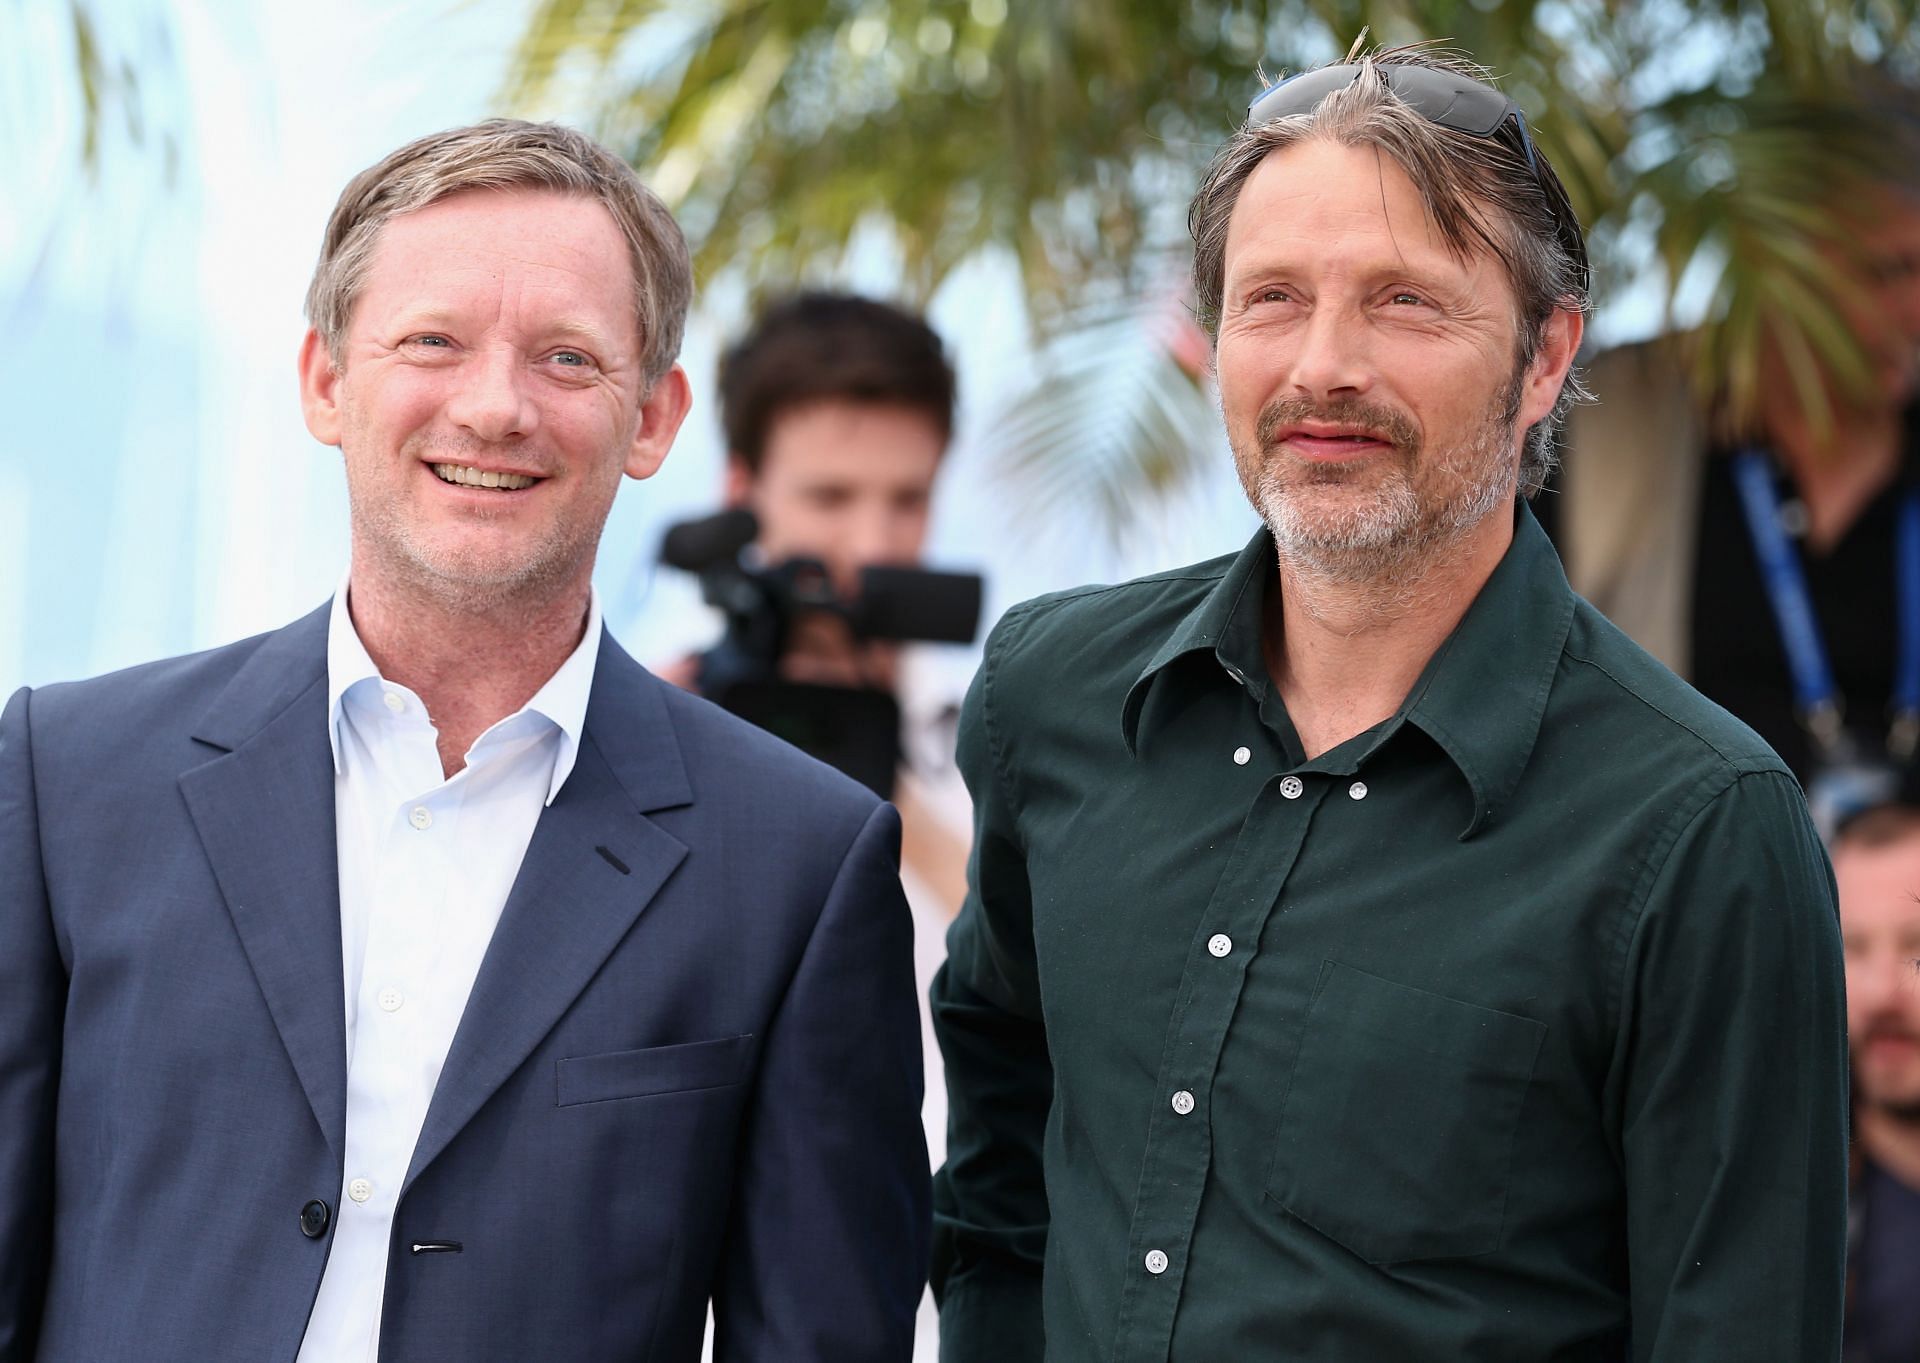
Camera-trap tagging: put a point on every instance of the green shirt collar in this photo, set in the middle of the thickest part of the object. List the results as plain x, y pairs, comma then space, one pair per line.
1482, 694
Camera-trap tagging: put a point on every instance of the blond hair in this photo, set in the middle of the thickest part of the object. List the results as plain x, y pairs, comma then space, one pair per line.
506, 154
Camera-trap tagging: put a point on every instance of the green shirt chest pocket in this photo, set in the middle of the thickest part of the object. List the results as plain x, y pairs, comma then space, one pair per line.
1397, 1130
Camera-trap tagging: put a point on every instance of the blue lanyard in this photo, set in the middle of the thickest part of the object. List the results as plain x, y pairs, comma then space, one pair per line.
1815, 693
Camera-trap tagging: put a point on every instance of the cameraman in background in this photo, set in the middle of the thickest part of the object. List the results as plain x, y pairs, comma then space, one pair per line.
837, 412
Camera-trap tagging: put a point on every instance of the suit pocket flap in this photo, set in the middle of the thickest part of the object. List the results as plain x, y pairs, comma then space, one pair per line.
656, 1069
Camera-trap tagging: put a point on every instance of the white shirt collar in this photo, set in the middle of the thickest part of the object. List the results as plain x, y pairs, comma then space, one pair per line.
562, 700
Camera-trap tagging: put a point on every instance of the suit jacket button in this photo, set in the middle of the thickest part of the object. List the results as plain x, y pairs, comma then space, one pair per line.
314, 1218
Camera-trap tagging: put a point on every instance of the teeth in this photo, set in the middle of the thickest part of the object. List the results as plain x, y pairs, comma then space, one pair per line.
472, 477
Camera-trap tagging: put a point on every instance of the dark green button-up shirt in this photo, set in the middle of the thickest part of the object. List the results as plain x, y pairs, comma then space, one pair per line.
1510, 1029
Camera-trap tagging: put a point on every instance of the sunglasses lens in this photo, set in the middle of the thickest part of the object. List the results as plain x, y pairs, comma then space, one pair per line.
1452, 101
1298, 94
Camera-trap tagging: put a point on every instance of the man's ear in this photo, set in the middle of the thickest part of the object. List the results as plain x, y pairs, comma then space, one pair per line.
661, 412
1559, 343
738, 488
319, 389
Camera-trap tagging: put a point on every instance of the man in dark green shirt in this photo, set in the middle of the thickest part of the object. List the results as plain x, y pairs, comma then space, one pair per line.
1371, 954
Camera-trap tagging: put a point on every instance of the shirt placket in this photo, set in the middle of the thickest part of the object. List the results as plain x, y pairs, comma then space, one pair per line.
398, 1021
1179, 1147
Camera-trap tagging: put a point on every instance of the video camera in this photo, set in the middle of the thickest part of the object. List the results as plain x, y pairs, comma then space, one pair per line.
856, 729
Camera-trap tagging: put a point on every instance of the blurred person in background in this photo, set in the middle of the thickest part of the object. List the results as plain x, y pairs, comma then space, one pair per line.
1876, 864
1776, 568
425, 979
1370, 953
837, 412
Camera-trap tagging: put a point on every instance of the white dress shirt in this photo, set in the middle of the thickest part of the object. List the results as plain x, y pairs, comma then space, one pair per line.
426, 863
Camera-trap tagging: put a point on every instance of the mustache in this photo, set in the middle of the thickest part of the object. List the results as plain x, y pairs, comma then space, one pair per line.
1372, 419
1888, 1031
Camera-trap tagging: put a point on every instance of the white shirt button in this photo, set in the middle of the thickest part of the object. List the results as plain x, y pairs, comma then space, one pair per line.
1156, 1262
1183, 1102
391, 999
1219, 944
360, 1190
421, 817
1291, 786
1242, 756
1358, 790
395, 701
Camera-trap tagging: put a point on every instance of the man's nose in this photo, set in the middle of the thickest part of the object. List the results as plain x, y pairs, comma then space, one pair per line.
1876, 986
875, 534
491, 400
1331, 360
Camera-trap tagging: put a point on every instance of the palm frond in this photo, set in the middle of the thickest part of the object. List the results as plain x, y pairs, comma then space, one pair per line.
1710, 144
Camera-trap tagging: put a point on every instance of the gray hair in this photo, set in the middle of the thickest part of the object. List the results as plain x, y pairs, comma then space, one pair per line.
504, 154
1480, 191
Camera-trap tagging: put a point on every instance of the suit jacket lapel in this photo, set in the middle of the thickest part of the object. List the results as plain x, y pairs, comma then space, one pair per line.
592, 866
264, 811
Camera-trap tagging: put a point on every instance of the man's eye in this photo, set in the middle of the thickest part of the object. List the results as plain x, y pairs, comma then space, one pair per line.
1271, 296
1404, 298
570, 357
429, 340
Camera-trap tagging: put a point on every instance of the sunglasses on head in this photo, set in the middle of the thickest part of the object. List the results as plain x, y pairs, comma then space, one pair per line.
1453, 101
1444, 97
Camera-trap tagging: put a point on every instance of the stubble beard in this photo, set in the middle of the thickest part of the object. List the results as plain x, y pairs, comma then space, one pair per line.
463, 579
1327, 522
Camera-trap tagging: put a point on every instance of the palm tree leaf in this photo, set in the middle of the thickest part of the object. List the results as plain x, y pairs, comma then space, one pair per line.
1711, 142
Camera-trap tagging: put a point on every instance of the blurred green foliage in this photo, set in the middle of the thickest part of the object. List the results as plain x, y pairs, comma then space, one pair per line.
1714, 149
114, 106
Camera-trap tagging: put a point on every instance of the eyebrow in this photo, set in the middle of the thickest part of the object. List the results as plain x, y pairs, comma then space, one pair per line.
578, 327
1374, 273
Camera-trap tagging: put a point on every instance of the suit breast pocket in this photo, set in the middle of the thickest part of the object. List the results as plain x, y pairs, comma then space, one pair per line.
654, 1070
1396, 1134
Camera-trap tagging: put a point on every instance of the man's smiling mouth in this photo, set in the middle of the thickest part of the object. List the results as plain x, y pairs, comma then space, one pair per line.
463, 475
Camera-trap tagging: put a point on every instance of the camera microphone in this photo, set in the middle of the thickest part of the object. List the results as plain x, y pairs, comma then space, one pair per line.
694, 546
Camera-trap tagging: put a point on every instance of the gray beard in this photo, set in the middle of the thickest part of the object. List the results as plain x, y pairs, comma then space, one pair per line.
1393, 536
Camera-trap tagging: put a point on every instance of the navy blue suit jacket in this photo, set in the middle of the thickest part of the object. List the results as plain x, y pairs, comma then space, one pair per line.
689, 1066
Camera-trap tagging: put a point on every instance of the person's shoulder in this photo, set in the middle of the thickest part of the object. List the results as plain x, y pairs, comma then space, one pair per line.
1658, 359
1692, 738
165, 692
1116, 621
729, 758
1640, 395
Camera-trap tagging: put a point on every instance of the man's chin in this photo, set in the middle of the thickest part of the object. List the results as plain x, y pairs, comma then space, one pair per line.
1323, 520
471, 578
